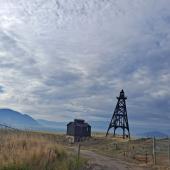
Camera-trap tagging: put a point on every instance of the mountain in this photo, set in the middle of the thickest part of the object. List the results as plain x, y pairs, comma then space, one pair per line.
153, 134
52, 125
17, 119
23, 121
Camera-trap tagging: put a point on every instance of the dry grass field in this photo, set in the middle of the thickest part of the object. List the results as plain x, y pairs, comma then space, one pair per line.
34, 151
50, 151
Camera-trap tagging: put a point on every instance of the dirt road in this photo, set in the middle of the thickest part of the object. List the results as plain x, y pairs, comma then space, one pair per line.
100, 162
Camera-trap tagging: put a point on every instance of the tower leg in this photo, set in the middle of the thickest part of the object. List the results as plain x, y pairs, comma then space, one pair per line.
128, 134
107, 131
123, 133
114, 132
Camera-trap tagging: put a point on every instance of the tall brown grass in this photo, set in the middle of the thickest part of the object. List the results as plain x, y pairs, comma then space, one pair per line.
33, 151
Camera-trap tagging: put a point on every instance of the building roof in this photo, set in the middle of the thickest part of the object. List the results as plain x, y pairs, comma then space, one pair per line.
79, 122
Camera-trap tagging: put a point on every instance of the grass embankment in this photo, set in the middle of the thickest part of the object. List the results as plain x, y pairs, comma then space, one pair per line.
34, 151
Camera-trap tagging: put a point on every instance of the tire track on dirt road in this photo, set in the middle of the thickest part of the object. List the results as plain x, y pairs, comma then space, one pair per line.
101, 162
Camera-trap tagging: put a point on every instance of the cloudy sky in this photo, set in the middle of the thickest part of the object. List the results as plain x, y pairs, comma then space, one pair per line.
61, 59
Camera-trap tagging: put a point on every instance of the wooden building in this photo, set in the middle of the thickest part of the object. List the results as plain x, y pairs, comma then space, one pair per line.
79, 129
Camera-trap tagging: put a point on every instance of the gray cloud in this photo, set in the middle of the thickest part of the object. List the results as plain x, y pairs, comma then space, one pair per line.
65, 59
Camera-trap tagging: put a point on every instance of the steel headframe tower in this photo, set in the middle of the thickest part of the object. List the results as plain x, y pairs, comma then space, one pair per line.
120, 118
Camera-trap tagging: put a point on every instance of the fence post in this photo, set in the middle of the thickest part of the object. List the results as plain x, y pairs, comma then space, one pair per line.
154, 153
78, 152
124, 154
78, 157
116, 146
146, 160
169, 150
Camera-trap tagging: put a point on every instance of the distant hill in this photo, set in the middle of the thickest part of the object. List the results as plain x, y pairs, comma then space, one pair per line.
52, 125
23, 121
17, 119
153, 134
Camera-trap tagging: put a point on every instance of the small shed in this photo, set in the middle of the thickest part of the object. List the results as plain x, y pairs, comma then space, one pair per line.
79, 129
